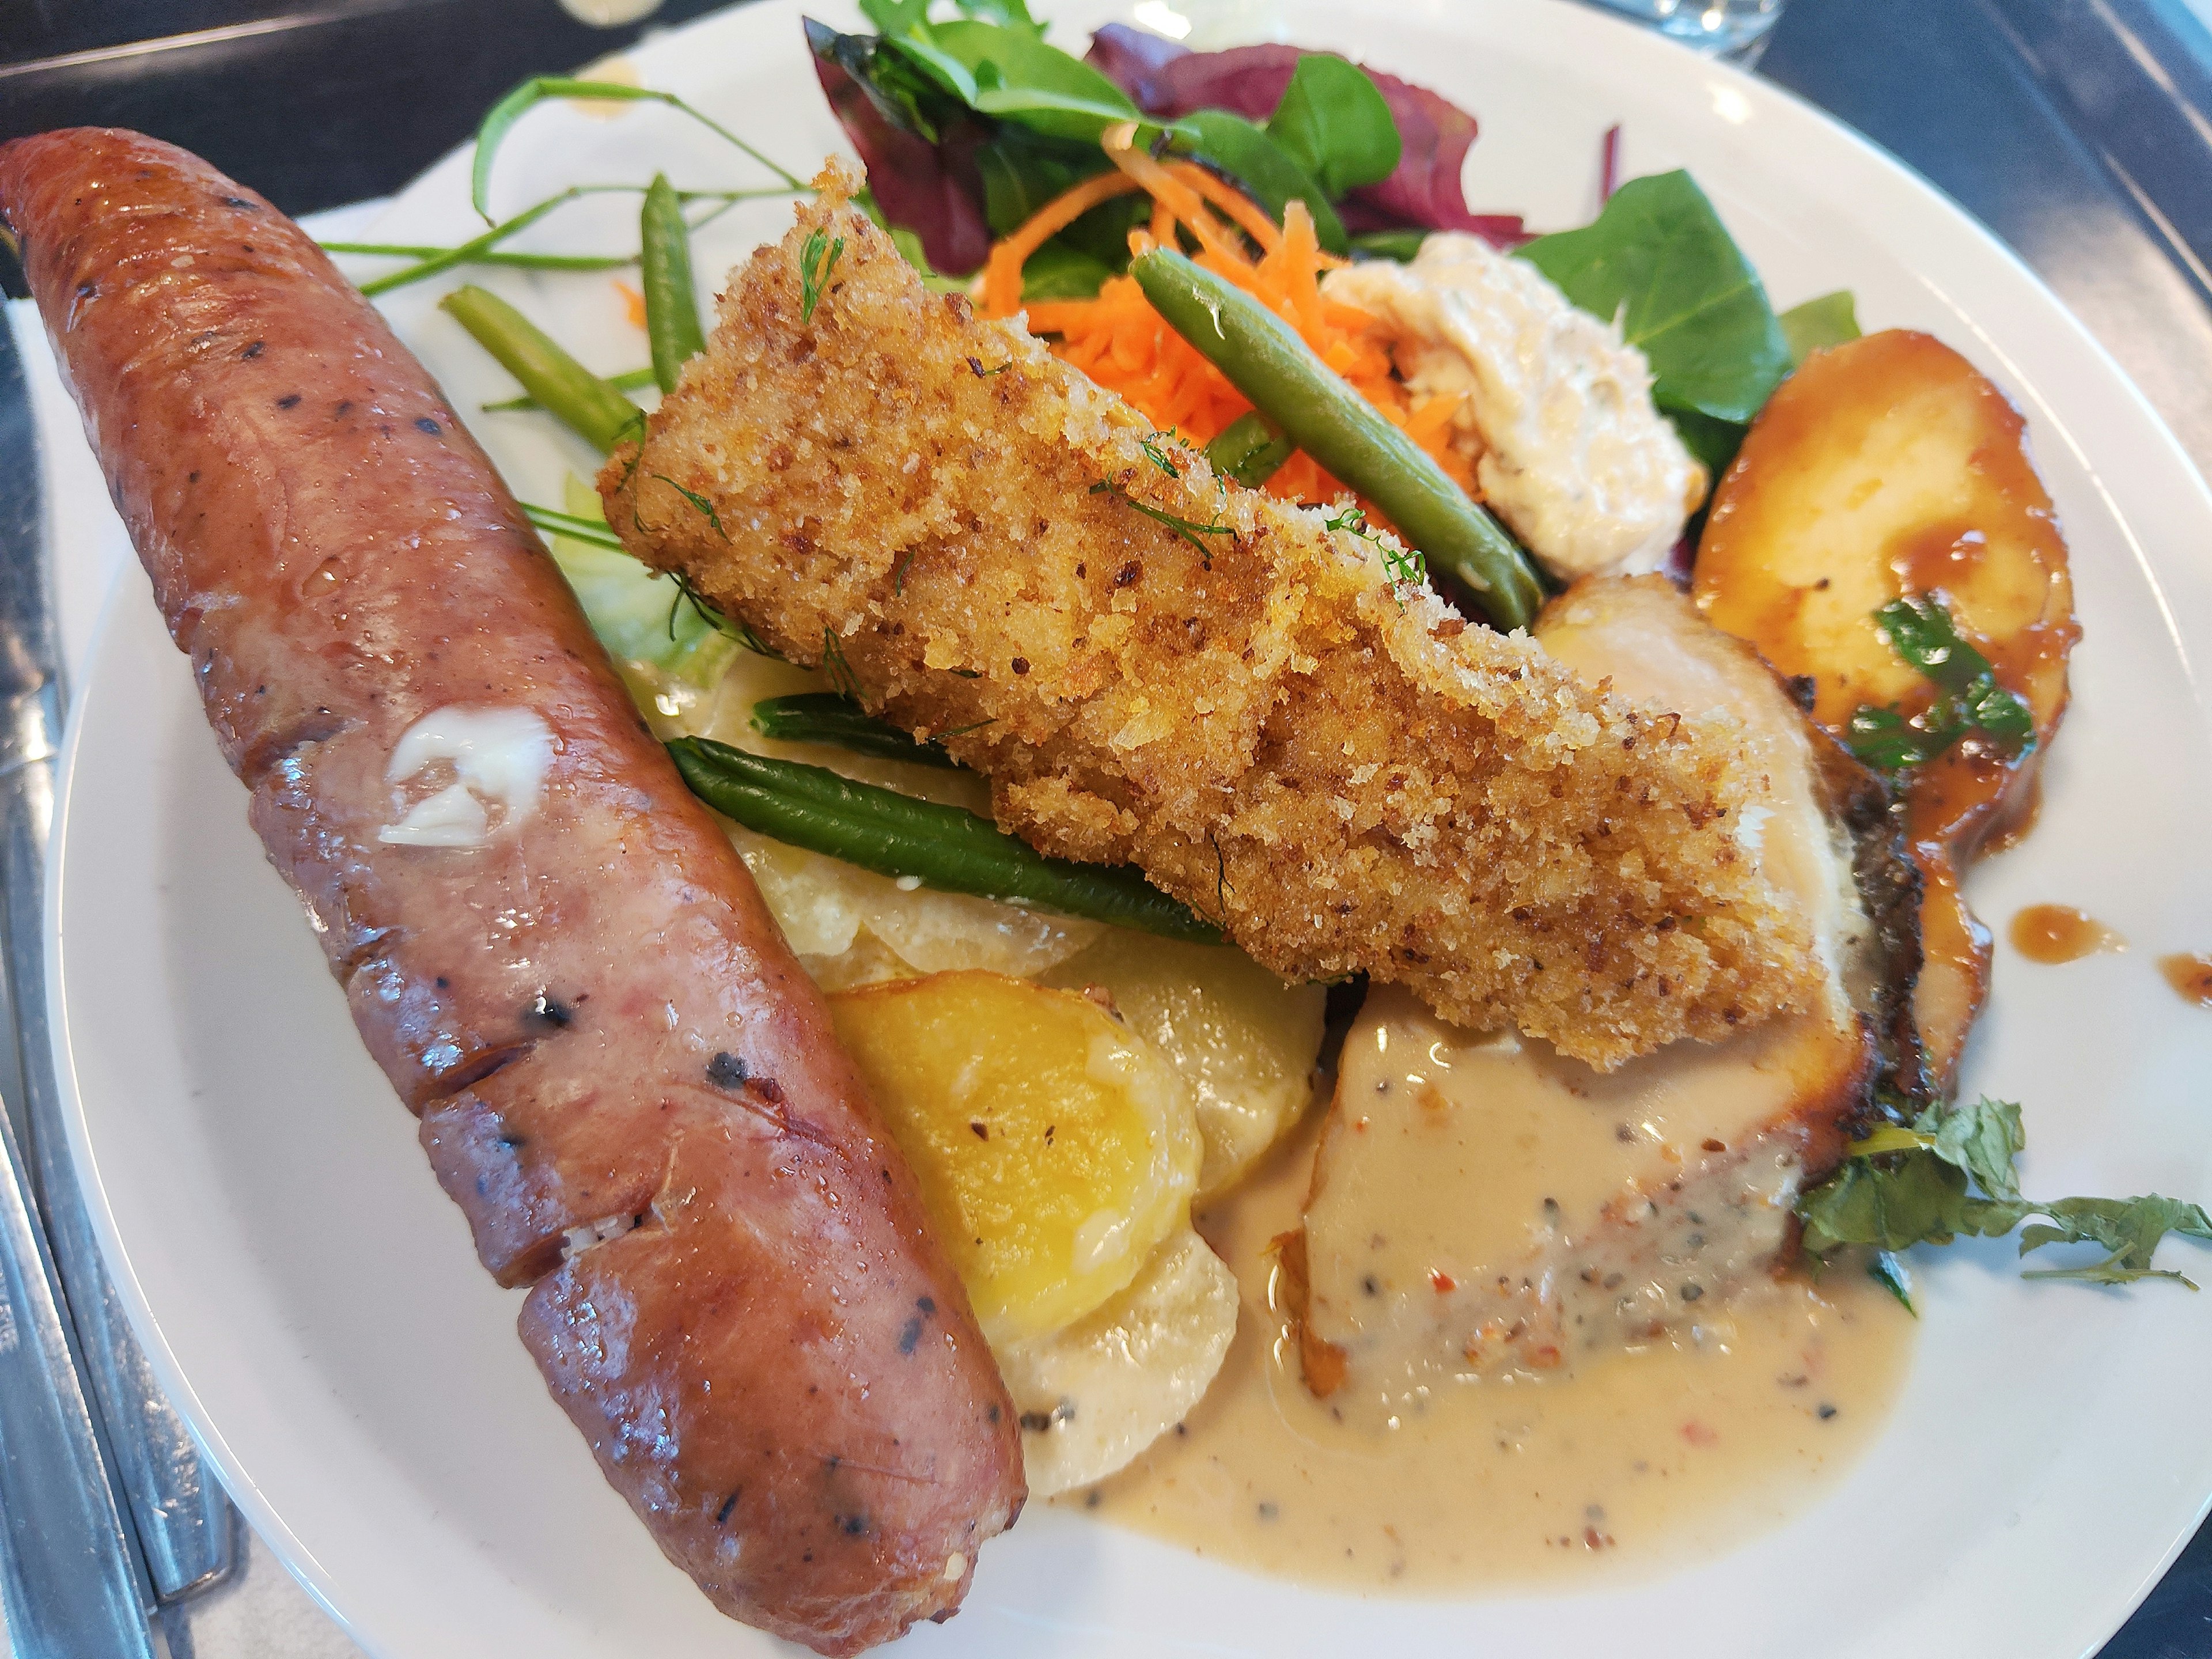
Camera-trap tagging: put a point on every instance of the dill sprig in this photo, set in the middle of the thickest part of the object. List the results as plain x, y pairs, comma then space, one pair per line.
734, 627
1157, 456
700, 504
814, 269
1400, 564
843, 679
1185, 528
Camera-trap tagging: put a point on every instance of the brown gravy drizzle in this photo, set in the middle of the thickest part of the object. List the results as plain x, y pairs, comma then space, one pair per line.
2190, 976
2053, 933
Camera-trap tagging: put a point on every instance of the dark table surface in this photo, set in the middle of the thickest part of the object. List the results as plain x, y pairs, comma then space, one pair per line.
2078, 131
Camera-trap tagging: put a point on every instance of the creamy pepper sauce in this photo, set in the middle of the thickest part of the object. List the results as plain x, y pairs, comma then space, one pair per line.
1626, 1464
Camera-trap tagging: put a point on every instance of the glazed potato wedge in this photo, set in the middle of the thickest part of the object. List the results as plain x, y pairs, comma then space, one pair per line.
1886, 467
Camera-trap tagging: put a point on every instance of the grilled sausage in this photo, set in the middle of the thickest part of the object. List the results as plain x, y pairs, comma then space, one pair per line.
549, 947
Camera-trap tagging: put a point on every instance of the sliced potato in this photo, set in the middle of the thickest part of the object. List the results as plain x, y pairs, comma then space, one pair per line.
1094, 1395
1244, 1041
1055, 1150
1885, 467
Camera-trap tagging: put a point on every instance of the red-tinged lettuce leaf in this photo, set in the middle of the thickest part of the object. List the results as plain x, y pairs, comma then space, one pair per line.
1171, 81
934, 190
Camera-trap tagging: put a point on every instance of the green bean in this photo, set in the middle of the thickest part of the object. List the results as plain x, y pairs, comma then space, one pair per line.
630, 379
672, 304
1249, 449
945, 847
591, 408
833, 717
1321, 413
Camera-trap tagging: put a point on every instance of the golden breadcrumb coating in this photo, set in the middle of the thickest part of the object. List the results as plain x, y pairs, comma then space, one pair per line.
1333, 765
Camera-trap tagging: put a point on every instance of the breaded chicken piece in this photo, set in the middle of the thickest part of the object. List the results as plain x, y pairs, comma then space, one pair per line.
1154, 666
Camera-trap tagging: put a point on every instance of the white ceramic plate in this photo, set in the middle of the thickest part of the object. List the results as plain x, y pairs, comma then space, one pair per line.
313, 1303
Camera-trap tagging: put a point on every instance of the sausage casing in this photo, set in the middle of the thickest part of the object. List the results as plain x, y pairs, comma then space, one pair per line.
588, 1007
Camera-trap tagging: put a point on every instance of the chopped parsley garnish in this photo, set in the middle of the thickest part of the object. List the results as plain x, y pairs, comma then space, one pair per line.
1969, 699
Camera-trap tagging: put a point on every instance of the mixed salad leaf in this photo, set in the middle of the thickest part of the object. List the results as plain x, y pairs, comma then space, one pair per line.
1831, 319
1658, 258
1420, 191
1950, 1174
969, 124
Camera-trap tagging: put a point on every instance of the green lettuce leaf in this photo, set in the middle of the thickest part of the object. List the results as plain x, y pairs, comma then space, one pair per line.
1830, 320
1251, 156
1335, 122
1658, 258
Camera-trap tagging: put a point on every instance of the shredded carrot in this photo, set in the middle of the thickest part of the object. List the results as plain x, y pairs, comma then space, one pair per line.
633, 303
1002, 276
1120, 342
1239, 208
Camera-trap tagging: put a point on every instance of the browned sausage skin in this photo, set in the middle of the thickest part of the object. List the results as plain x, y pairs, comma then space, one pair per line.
588, 1005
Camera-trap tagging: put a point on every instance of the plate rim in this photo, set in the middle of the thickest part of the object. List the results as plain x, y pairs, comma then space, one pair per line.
261, 1511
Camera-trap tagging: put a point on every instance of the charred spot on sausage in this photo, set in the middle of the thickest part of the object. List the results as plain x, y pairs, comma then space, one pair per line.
910, 1335
424, 423
289, 400
727, 1071
253, 351
549, 1010
722, 1514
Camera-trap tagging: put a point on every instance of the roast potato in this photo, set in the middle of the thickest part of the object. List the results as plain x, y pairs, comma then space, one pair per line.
1885, 467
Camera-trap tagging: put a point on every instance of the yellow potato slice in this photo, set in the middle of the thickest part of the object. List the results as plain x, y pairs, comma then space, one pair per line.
1244, 1041
1094, 1395
1055, 1150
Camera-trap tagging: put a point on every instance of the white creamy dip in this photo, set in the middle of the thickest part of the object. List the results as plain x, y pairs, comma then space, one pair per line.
1568, 447
499, 757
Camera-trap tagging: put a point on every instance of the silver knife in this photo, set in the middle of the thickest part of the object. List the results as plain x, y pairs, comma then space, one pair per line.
69, 1571
182, 1520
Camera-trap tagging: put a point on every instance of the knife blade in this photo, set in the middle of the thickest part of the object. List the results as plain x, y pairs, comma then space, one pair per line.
70, 1575
182, 1520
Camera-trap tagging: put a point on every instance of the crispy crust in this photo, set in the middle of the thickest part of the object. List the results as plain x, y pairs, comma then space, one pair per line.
1336, 767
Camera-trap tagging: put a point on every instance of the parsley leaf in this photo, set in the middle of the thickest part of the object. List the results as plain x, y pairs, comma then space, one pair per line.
1920, 631
1913, 1185
2131, 1228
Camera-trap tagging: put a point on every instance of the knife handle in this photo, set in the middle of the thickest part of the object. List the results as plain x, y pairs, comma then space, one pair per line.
183, 1519
70, 1576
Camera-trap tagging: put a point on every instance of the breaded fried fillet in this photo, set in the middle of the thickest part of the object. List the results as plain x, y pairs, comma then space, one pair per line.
1155, 667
